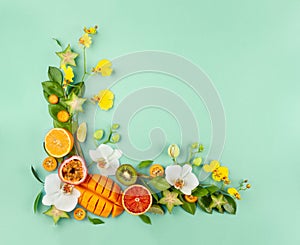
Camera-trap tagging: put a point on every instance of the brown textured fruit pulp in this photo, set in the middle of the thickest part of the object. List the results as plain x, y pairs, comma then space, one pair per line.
73, 171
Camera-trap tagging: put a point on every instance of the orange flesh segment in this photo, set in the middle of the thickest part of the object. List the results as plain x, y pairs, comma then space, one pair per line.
107, 188
137, 199
107, 209
100, 206
58, 142
96, 196
92, 204
117, 210
115, 192
101, 184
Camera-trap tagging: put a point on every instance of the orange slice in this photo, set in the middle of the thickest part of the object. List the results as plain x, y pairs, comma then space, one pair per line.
137, 199
63, 116
79, 214
190, 198
59, 142
50, 164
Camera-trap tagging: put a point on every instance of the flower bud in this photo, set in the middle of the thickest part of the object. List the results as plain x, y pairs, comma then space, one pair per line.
248, 186
115, 138
115, 126
173, 151
197, 161
98, 134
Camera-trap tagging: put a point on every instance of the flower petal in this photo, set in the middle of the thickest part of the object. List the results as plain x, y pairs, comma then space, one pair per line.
115, 155
105, 150
67, 202
190, 183
186, 169
111, 170
173, 173
49, 199
52, 183
95, 155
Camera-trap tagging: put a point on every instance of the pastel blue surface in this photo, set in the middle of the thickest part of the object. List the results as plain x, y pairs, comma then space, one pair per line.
249, 49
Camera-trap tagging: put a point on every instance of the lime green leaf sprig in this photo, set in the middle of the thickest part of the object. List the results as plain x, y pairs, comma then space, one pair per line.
144, 164
146, 219
187, 206
95, 221
194, 150
159, 183
113, 136
36, 175
37, 201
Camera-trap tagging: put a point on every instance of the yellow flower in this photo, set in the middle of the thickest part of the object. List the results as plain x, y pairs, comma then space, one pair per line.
85, 40
91, 30
218, 173
234, 192
105, 99
103, 67
68, 73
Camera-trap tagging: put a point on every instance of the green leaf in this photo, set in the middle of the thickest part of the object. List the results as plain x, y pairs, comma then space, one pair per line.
95, 221
146, 219
58, 124
54, 109
154, 195
51, 87
37, 201
230, 206
187, 206
200, 192
58, 42
35, 174
212, 189
55, 74
204, 203
144, 164
159, 183
78, 89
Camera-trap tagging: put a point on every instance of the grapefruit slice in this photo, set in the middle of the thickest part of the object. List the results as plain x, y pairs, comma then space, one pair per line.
137, 199
59, 142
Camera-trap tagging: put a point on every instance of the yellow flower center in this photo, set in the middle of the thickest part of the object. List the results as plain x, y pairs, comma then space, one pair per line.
101, 163
67, 188
179, 183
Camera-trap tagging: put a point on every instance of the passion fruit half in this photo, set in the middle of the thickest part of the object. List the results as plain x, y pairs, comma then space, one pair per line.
73, 170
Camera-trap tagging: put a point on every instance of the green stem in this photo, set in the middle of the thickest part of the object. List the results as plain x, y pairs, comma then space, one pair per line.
144, 176
91, 164
84, 65
109, 136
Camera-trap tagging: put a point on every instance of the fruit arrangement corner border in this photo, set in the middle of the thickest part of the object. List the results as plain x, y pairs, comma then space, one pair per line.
107, 187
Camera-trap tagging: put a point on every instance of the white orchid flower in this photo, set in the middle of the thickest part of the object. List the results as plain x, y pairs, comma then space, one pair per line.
182, 178
107, 159
62, 195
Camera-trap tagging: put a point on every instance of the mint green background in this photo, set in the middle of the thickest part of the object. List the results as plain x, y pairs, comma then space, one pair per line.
250, 49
